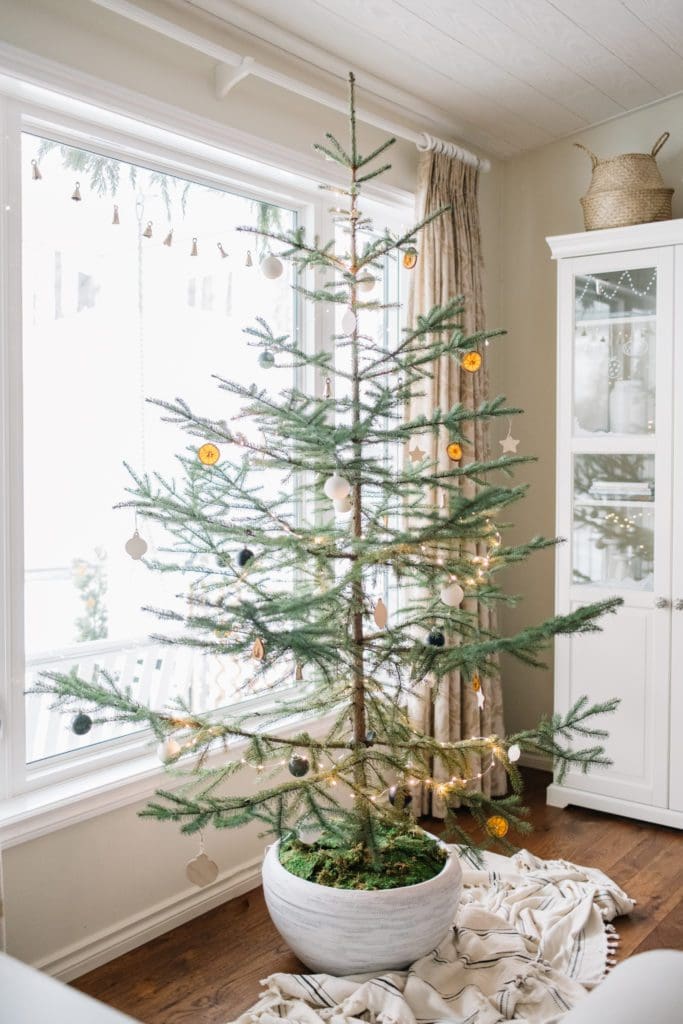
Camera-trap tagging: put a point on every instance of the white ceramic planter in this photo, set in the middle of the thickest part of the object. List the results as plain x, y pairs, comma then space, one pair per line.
351, 931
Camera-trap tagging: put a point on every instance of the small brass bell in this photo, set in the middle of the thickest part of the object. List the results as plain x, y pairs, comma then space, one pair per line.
193, 250
147, 233
35, 170
169, 238
222, 251
115, 218
76, 194
249, 262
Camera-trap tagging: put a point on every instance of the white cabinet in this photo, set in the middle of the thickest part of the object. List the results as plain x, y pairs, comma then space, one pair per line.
620, 507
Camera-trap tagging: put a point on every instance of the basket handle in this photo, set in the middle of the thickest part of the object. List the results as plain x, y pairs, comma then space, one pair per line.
594, 159
659, 143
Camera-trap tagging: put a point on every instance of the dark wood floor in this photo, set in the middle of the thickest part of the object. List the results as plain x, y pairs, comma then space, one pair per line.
208, 970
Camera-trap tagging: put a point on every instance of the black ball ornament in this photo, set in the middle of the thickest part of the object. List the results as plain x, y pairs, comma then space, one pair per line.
435, 638
81, 724
266, 360
298, 765
244, 556
370, 738
398, 792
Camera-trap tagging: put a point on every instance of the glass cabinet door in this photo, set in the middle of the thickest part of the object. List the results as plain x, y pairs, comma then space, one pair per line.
614, 521
614, 413
615, 316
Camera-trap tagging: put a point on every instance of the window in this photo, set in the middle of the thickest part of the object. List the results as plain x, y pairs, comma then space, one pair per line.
134, 283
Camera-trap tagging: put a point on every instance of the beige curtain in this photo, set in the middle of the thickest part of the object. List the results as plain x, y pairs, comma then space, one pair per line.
450, 264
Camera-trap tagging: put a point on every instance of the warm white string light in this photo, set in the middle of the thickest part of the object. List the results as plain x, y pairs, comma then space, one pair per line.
602, 288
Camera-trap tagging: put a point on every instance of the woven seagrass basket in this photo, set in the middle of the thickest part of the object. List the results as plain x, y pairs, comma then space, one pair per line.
620, 207
626, 189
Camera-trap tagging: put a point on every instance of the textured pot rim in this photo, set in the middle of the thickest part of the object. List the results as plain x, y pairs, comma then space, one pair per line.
452, 861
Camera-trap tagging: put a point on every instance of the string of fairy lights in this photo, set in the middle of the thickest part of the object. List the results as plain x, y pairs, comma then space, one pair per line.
609, 291
398, 793
452, 593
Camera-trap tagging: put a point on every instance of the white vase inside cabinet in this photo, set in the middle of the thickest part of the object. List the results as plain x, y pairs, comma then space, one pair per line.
620, 508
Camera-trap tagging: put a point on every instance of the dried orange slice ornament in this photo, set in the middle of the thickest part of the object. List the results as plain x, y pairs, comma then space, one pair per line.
497, 826
454, 451
208, 454
471, 361
409, 258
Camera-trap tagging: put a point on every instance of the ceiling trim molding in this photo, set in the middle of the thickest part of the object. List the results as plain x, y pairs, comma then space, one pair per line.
308, 58
335, 98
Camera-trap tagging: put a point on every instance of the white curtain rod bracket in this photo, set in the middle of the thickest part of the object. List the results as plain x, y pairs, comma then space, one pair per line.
227, 76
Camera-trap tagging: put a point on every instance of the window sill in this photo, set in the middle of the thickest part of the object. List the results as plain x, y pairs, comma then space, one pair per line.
58, 805
34, 814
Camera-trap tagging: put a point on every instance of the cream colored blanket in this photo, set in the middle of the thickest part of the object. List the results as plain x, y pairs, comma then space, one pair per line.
530, 937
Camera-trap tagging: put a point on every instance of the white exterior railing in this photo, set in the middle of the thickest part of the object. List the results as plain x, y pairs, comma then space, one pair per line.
155, 672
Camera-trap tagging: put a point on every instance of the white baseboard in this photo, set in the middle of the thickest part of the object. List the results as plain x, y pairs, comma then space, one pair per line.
539, 761
563, 796
79, 958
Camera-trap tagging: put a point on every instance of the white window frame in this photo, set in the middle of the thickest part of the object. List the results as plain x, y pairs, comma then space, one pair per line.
37, 798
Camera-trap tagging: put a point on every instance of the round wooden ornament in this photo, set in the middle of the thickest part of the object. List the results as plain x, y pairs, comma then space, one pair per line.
136, 547
201, 870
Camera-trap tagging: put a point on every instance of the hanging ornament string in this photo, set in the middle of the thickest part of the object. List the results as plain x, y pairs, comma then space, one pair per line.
609, 292
136, 546
201, 870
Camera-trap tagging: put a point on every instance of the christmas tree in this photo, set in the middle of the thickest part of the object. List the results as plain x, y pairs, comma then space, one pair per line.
283, 582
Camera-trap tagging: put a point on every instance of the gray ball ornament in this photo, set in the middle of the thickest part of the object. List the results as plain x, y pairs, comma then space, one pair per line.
244, 556
81, 724
401, 794
298, 765
435, 638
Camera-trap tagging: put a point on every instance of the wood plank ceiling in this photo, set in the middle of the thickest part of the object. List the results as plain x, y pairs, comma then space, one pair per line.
506, 74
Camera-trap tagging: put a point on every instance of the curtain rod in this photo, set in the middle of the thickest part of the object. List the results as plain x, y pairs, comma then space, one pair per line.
231, 68
429, 143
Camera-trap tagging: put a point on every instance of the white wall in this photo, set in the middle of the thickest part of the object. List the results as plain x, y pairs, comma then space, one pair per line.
87, 892
79, 891
541, 198
88, 886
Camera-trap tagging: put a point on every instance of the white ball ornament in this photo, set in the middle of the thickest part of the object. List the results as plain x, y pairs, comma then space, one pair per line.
337, 487
271, 267
342, 505
514, 752
348, 322
452, 594
366, 283
168, 749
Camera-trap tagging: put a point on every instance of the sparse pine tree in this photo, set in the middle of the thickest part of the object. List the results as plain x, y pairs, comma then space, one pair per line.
297, 604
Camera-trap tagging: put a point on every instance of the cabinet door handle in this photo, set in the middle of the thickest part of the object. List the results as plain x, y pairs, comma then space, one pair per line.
678, 604
662, 602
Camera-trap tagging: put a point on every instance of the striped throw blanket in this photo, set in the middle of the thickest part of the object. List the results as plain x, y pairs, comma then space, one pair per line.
530, 938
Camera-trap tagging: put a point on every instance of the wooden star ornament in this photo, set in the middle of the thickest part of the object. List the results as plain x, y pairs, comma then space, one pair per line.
509, 444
